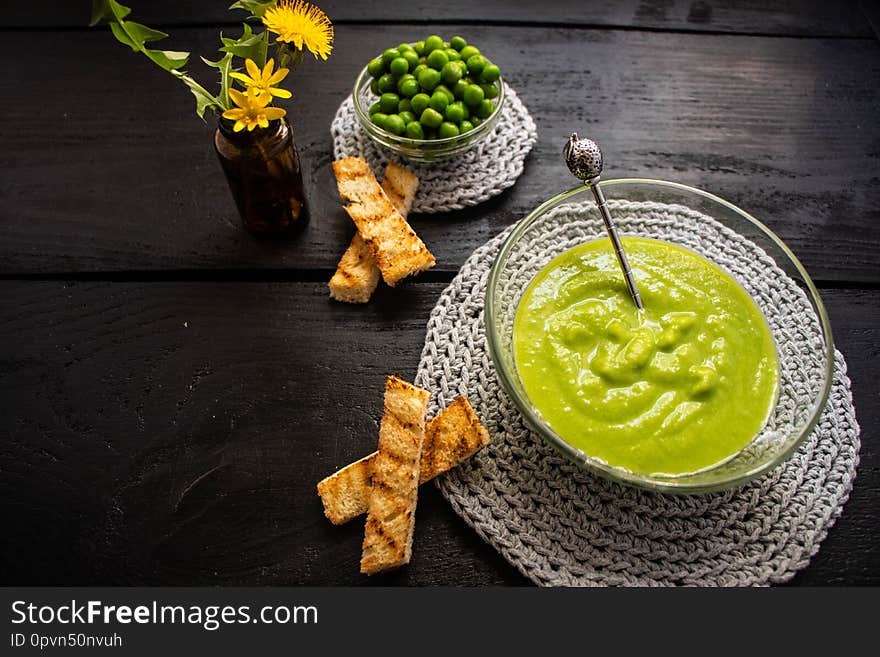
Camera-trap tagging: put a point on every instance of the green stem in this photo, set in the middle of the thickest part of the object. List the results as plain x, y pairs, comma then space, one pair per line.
264, 51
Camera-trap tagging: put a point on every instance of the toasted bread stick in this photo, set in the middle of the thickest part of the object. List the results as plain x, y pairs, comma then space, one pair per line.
396, 248
394, 484
450, 438
400, 186
357, 275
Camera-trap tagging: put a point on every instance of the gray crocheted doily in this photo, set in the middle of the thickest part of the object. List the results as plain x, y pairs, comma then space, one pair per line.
562, 526
475, 176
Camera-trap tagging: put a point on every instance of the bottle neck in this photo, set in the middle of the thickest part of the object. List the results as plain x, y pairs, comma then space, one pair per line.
276, 130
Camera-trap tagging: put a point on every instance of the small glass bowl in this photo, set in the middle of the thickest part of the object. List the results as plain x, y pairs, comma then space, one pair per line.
420, 150
805, 349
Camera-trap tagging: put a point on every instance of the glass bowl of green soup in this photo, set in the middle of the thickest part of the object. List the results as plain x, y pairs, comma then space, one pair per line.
716, 382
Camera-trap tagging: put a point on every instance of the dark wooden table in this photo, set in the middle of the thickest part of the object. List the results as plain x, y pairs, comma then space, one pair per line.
171, 389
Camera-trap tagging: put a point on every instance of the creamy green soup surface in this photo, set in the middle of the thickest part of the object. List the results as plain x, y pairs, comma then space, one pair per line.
678, 387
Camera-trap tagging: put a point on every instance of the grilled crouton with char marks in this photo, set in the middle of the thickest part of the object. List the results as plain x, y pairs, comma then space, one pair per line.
450, 438
400, 187
357, 275
397, 250
394, 483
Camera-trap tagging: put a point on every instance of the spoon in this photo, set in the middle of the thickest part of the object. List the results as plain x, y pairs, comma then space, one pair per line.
584, 160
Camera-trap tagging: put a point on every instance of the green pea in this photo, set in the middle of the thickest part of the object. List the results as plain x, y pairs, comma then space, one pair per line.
379, 119
374, 87
457, 42
388, 103
395, 124
473, 95
408, 87
389, 55
476, 64
448, 130
433, 43
376, 67
411, 58
414, 130
464, 108
452, 54
476, 120
454, 113
490, 73
398, 66
437, 59
419, 68
375, 107
403, 47
458, 89
405, 105
387, 83
407, 116
445, 91
429, 79
419, 47
419, 103
465, 126
439, 101
467, 52
489, 90
431, 118
485, 109
451, 73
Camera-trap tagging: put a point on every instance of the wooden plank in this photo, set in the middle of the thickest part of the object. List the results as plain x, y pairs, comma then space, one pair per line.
847, 555
872, 13
109, 174
786, 17
172, 433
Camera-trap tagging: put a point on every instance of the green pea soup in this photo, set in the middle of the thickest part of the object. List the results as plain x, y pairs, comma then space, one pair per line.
676, 388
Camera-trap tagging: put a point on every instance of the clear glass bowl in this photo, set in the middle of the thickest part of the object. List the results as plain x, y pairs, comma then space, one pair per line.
420, 150
727, 236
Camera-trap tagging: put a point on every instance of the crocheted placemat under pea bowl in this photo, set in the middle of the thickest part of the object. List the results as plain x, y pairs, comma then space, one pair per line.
562, 526
475, 176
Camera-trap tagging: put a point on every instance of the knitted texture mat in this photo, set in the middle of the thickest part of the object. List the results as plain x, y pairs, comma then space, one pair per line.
475, 176
563, 526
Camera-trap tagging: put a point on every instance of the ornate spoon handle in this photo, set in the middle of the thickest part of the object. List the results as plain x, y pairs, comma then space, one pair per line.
584, 160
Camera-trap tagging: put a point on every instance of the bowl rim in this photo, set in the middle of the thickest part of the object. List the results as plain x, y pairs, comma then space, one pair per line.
669, 484
473, 135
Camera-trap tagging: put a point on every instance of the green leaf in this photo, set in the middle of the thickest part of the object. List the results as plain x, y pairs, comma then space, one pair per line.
247, 46
204, 100
136, 36
170, 60
224, 65
256, 7
122, 36
107, 9
142, 34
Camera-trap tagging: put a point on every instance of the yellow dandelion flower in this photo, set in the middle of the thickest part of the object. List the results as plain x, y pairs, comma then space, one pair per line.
301, 23
251, 111
262, 81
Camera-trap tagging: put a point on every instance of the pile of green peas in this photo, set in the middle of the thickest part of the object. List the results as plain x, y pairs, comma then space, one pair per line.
432, 89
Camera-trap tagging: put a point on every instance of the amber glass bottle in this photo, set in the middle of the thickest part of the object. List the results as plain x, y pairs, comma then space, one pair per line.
262, 168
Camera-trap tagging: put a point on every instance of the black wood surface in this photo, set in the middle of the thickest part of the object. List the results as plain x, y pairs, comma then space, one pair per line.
788, 17
785, 128
173, 433
171, 389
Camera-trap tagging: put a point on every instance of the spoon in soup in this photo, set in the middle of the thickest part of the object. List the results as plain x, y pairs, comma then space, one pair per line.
584, 159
